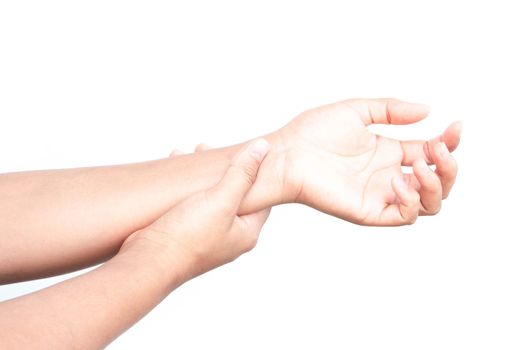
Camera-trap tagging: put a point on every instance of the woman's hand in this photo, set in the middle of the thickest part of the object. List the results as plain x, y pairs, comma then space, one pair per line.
198, 234
205, 228
327, 158
335, 164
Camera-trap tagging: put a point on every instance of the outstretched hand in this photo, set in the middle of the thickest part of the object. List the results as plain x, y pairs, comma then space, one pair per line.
335, 164
328, 159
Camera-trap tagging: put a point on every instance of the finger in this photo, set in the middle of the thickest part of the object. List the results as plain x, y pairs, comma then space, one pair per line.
413, 150
446, 168
241, 174
253, 223
389, 111
411, 180
176, 152
250, 225
201, 147
405, 211
429, 188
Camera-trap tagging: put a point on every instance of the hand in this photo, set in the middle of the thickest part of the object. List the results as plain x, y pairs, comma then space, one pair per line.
205, 228
201, 147
335, 164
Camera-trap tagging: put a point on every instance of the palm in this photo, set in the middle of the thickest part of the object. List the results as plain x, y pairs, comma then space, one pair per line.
341, 168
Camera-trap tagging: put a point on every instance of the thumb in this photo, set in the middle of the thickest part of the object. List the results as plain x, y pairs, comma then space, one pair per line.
389, 111
242, 173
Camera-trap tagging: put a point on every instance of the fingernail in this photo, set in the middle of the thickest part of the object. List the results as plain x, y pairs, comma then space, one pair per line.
460, 128
401, 183
259, 149
443, 150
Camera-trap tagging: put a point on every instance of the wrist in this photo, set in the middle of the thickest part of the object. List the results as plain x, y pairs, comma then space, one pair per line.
280, 158
290, 186
274, 183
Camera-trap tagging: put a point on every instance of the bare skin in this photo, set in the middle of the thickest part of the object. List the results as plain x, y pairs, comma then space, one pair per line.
61, 220
339, 167
199, 234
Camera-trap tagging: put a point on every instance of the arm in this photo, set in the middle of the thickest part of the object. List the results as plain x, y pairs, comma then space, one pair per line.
56, 221
89, 311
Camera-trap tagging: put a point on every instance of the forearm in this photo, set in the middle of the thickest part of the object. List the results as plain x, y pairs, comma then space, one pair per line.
89, 311
201, 233
61, 220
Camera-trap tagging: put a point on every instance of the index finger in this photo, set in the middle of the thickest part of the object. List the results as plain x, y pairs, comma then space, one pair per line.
413, 150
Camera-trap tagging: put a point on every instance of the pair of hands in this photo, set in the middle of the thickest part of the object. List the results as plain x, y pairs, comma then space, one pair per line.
325, 158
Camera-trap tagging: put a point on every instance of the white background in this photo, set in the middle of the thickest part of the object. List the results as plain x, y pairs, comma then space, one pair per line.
103, 82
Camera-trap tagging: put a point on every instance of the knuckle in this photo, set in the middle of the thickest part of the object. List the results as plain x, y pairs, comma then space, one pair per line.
448, 168
427, 152
249, 171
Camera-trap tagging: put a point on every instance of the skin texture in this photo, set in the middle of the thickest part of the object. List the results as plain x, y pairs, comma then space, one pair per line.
336, 165
325, 158
199, 234
215, 203
56, 221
